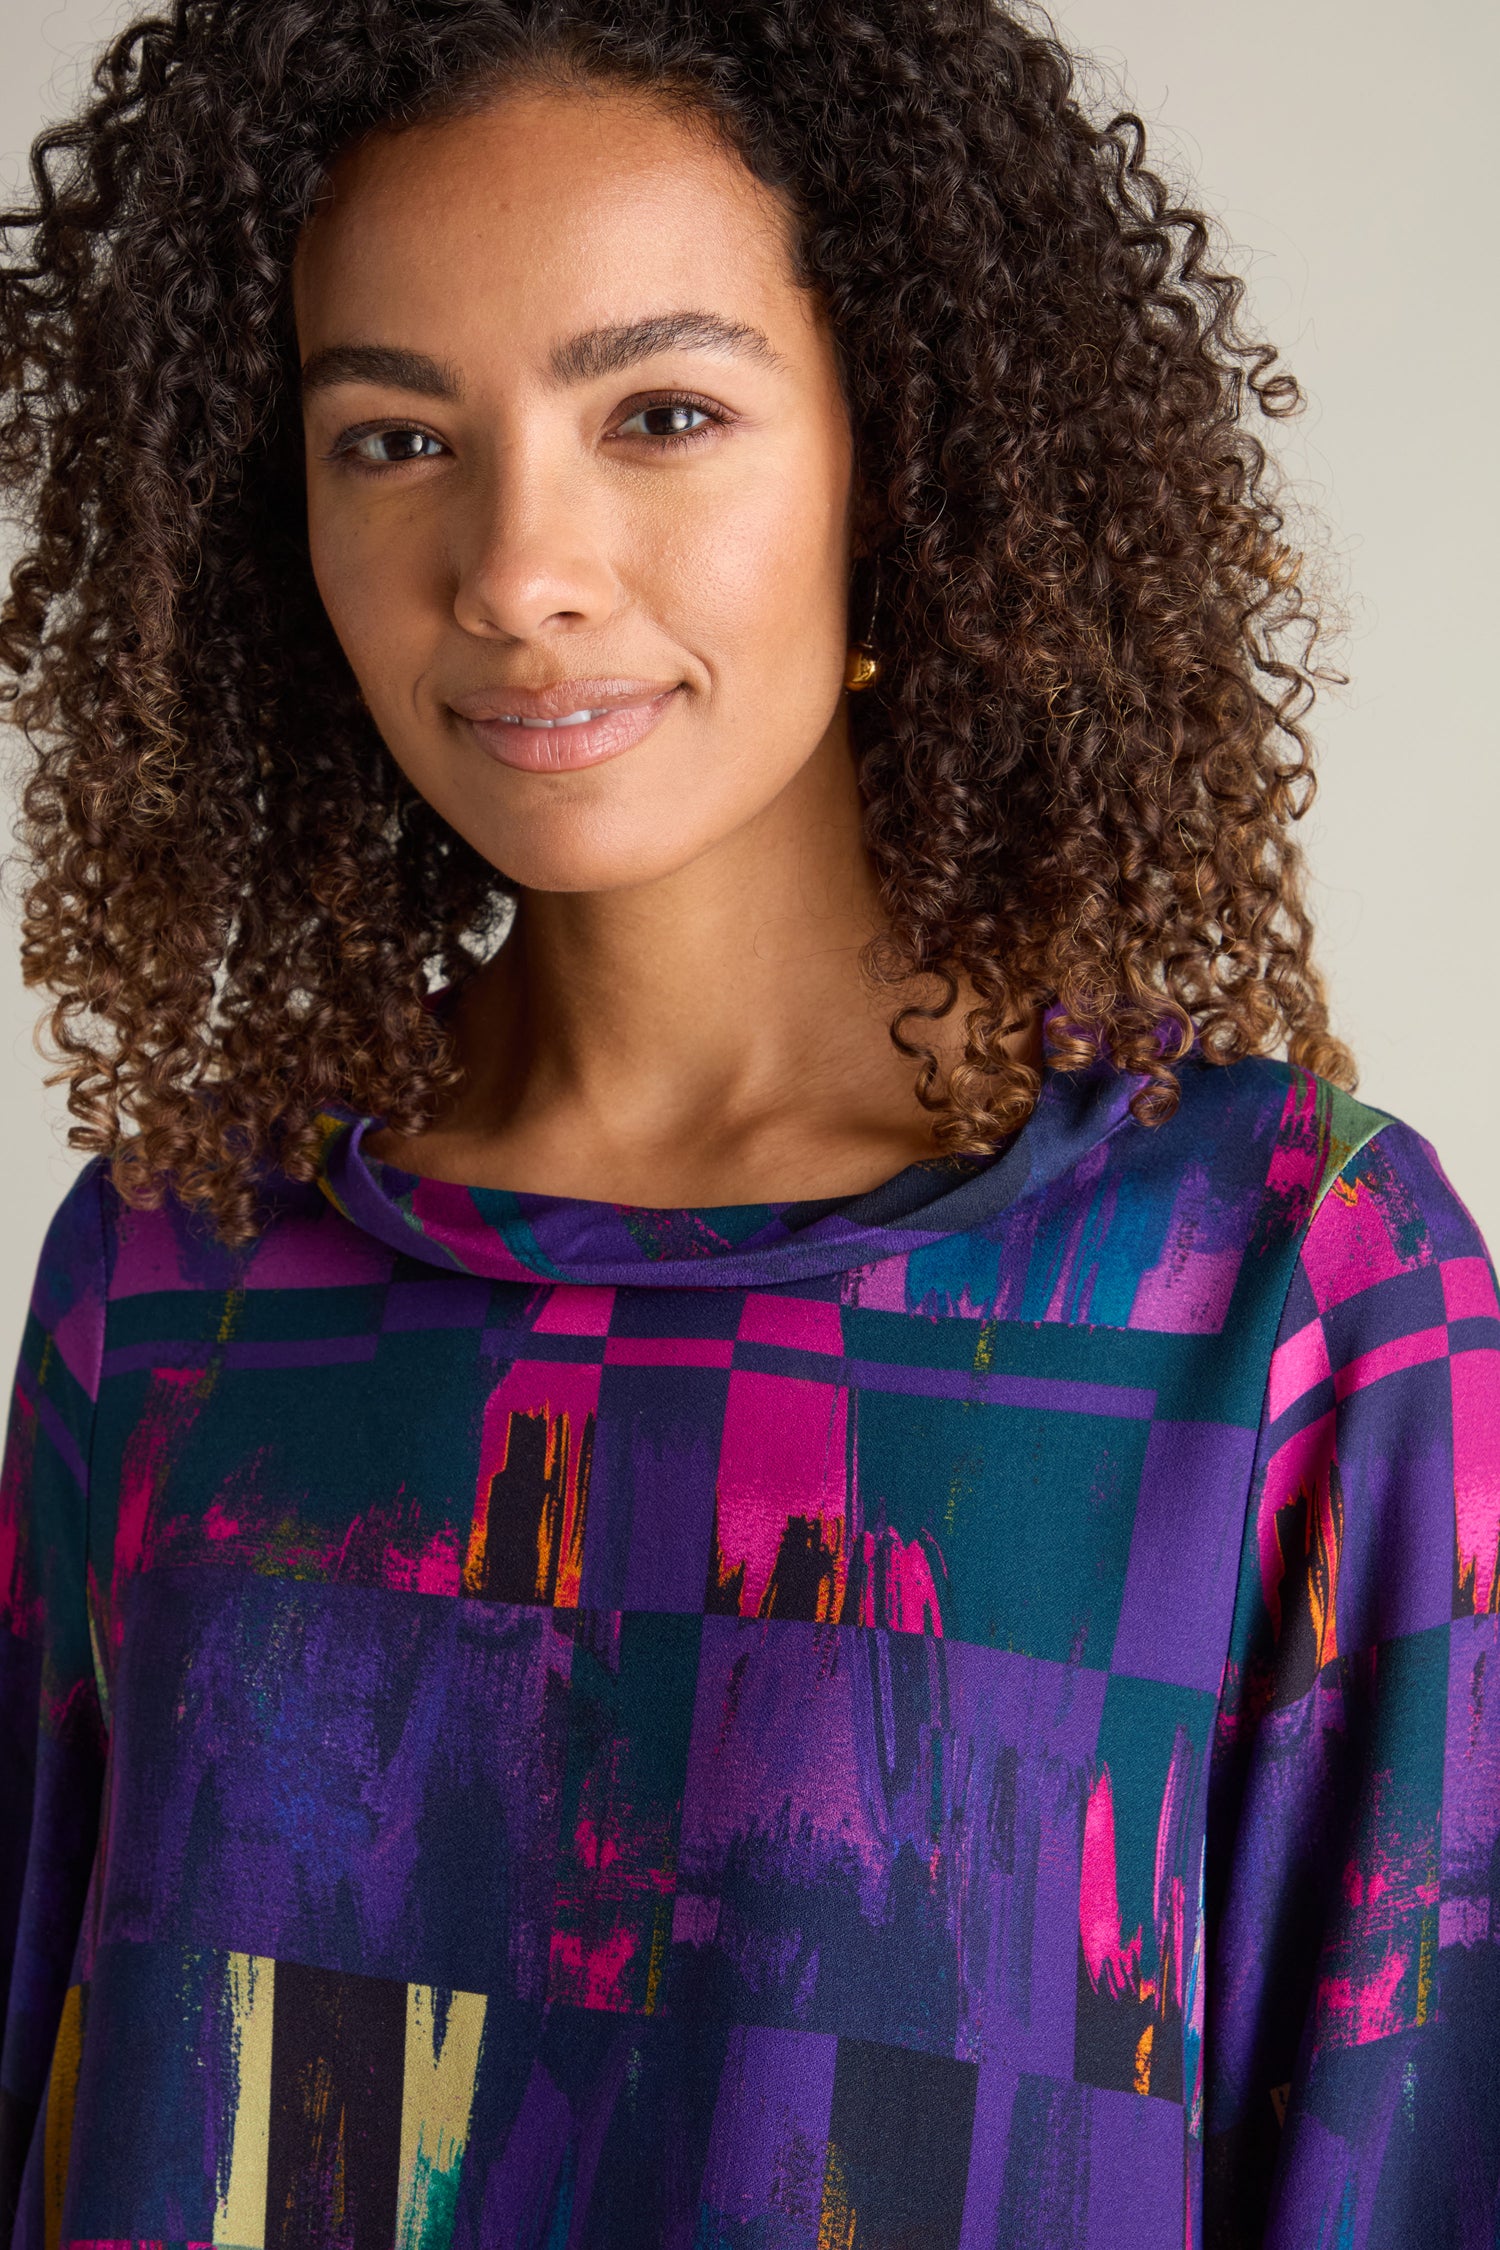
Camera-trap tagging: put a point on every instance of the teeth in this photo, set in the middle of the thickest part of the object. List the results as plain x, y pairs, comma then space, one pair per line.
573, 719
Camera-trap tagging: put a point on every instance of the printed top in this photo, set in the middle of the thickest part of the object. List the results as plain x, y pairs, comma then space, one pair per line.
962, 1718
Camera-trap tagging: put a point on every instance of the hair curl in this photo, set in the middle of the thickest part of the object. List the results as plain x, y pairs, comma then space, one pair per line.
1086, 748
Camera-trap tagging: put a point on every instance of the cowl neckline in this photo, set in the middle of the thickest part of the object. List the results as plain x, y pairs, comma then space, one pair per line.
503, 1235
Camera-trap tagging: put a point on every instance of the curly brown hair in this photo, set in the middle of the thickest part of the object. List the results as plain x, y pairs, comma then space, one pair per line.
1086, 749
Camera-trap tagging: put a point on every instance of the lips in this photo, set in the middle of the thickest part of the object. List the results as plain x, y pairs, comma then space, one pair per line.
565, 725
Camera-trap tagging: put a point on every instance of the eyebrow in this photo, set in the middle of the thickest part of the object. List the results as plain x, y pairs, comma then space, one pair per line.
583, 358
606, 351
381, 363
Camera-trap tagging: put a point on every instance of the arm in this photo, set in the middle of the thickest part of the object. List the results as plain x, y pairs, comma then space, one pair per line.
1352, 2042
51, 1730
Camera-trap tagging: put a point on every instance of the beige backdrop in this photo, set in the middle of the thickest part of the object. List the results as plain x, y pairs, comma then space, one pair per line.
1347, 147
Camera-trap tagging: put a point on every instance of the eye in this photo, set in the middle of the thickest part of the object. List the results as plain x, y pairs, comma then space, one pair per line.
670, 421
388, 447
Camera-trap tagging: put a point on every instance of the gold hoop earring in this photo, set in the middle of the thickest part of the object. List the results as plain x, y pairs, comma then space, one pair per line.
863, 664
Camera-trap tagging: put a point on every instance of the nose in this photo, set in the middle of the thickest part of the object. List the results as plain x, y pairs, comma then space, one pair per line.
530, 560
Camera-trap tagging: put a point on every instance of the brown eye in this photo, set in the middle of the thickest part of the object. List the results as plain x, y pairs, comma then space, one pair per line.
384, 449
676, 419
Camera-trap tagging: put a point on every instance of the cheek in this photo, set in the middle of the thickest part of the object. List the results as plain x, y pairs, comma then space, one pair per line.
760, 586
371, 573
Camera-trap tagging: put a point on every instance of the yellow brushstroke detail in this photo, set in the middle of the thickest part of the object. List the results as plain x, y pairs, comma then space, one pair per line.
1143, 2060
62, 2099
234, 1305
96, 1650
240, 2211
1424, 1973
328, 1127
661, 1929
325, 1125
437, 2097
836, 2218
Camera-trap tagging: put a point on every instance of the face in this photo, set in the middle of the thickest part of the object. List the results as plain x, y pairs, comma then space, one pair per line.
579, 481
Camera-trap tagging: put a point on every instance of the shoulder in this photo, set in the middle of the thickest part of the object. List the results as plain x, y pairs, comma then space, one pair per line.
1377, 1443
1270, 1119
1384, 1395
1358, 1185
1204, 1220
1297, 1139
1392, 1242
72, 1267
1396, 1172
171, 1247
58, 1369
97, 1248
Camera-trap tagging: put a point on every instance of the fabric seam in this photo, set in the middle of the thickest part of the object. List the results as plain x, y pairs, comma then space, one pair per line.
1307, 1226
1380, 1125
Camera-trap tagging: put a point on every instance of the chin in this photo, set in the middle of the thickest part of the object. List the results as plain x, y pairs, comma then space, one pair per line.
577, 855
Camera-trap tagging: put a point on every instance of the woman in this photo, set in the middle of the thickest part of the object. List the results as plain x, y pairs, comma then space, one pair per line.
727, 1525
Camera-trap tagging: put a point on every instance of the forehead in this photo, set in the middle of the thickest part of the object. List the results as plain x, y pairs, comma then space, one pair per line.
543, 211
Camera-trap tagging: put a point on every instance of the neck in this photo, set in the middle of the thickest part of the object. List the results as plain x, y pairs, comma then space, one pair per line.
708, 1038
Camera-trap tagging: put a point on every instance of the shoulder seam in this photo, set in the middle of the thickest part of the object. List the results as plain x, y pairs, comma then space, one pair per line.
1379, 1121
1375, 1122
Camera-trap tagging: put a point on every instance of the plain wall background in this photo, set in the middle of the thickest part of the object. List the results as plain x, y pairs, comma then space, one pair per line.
1346, 147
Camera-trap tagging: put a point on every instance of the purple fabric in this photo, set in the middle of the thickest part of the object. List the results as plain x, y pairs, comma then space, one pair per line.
956, 1719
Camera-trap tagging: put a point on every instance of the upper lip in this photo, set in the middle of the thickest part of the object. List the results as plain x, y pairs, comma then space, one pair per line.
559, 700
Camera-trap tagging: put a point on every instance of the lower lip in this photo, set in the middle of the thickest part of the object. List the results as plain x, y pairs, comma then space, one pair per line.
565, 749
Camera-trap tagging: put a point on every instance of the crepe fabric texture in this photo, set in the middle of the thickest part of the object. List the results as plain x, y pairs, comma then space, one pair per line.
966, 1718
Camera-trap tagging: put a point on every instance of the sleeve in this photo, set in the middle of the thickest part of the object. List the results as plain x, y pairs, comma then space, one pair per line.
1352, 2036
51, 1726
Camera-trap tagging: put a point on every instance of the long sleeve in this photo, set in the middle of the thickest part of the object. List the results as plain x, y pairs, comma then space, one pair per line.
1352, 2037
51, 1729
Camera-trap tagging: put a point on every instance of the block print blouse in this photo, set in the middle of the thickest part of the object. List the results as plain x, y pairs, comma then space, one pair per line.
963, 1718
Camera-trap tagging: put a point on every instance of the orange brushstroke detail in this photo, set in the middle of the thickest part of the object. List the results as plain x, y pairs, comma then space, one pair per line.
1143, 2059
